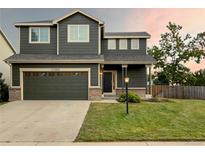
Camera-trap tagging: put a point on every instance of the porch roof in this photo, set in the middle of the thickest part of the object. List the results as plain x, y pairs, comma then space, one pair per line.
49, 58
117, 58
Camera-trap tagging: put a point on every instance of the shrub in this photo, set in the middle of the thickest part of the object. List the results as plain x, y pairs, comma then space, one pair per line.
4, 94
132, 98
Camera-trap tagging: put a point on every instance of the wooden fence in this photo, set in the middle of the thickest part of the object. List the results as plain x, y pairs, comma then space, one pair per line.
181, 92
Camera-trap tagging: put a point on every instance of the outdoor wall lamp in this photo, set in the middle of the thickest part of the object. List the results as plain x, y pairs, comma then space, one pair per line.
127, 79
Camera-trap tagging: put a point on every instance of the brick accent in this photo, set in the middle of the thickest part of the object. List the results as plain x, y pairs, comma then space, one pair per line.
14, 94
95, 94
140, 92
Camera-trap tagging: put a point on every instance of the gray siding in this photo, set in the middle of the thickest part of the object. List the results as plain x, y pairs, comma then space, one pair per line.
78, 48
136, 73
142, 47
16, 71
27, 48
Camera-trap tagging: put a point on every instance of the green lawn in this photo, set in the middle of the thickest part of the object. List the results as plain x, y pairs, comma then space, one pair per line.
178, 120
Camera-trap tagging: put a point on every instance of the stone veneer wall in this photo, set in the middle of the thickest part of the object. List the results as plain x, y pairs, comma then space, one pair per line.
140, 92
95, 94
14, 94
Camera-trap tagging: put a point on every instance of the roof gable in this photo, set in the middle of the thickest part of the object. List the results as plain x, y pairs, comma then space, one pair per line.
74, 12
7, 41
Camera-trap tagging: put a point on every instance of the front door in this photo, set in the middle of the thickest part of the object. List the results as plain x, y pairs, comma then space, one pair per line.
107, 82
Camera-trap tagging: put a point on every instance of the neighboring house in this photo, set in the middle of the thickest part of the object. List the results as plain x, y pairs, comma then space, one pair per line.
6, 50
72, 58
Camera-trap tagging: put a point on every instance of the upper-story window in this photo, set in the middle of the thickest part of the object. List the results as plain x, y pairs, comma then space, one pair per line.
39, 35
123, 44
111, 44
78, 33
134, 44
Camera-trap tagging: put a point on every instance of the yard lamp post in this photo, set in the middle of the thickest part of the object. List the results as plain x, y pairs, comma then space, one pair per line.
126, 89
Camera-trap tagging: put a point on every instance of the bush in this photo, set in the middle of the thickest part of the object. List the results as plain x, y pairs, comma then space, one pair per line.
4, 93
132, 98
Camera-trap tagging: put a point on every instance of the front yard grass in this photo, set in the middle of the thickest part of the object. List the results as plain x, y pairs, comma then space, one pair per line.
180, 120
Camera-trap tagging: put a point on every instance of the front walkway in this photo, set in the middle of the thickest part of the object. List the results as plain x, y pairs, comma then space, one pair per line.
41, 121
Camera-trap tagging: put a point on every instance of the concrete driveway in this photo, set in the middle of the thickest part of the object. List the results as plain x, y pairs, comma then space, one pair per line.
41, 121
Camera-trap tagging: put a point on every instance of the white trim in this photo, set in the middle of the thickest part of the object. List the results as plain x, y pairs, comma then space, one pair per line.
57, 39
120, 44
74, 12
78, 41
39, 42
115, 37
99, 40
33, 24
132, 44
22, 70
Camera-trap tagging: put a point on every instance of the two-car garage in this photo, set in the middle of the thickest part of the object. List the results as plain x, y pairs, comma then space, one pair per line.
51, 85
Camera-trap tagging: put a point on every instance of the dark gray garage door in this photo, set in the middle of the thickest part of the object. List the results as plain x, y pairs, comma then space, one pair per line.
55, 85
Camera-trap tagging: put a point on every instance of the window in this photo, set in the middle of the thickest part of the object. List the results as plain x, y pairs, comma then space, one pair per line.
135, 44
78, 33
112, 44
39, 35
123, 44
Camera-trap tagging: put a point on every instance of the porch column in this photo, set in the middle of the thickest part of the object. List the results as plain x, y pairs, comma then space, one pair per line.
124, 73
149, 79
101, 76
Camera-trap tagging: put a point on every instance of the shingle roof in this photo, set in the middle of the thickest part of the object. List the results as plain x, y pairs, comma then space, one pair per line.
128, 58
41, 21
52, 58
110, 58
127, 34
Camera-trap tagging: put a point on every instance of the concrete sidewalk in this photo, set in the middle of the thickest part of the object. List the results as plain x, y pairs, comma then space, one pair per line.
103, 144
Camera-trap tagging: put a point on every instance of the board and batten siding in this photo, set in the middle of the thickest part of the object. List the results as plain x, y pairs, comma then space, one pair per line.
140, 51
16, 70
90, 47
37, 48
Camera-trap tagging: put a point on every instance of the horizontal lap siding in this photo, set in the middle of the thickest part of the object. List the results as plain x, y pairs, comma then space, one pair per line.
78, 48
136, 74
47, 48
142, 45
16, 70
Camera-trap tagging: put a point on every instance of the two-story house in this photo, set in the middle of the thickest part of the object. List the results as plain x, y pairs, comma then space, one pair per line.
72, 58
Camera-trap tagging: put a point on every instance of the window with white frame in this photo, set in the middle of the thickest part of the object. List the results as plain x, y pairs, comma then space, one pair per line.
78, 33
39, 35
111, 44
123, 44
134, 44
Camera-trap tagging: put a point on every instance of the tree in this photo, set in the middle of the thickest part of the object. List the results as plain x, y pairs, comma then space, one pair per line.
174, 51
4, 96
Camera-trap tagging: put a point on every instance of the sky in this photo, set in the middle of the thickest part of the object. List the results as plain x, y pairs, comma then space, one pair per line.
153, 21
